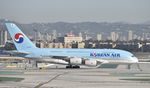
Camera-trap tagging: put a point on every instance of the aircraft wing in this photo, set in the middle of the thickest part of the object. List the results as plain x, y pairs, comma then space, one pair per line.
101, 62
14, 52
12, 58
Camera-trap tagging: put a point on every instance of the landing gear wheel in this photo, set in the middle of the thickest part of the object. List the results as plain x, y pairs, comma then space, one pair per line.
76, 66
70, 66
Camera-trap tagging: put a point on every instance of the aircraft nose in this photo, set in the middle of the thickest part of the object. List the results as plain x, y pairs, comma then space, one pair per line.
134, 59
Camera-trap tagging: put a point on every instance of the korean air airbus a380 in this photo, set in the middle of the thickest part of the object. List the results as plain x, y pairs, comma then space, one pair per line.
73, 58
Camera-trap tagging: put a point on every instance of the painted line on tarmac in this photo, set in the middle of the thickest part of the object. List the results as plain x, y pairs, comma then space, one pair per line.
43, 83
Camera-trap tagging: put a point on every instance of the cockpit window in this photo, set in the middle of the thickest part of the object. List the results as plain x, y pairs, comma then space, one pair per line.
132, 56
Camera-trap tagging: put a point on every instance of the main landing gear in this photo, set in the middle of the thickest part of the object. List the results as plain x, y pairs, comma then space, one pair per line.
70, 66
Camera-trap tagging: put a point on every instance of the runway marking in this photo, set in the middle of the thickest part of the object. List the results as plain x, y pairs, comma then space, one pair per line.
137, 79
43, 83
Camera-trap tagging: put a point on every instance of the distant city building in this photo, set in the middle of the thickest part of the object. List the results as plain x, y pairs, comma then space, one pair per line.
130, 35
72, 39
38, 36
81, 45
69, 38
145, 36
88, 38
59, 35
67, 45
48, 37
3, 37
40, 44
99, 37
114, 36
80, 34
54, 34
135, 36
70, 35
85, 36
54, 45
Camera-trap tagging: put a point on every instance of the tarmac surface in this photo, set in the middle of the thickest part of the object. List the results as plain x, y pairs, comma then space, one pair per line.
78, 78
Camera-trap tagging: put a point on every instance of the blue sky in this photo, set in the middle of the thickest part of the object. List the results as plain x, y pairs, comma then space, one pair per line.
27, 11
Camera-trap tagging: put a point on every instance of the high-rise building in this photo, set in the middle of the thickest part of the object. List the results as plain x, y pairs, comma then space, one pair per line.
47, 37
3, 37
38, 36
54, 34
114, 36
85, 36
99, 37
130, 35
80, 34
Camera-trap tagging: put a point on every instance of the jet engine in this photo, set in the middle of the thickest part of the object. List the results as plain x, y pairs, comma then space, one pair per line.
75, 61
91, 62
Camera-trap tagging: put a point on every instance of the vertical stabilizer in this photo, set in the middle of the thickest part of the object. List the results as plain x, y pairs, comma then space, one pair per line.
21, 41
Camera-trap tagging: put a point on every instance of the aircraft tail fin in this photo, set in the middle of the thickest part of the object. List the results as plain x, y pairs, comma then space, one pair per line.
21, 41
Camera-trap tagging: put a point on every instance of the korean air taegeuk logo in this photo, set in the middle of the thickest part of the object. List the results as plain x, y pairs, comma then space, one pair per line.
18, 38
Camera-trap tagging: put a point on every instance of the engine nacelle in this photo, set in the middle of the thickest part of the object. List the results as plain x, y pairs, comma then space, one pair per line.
91, 62
75, 61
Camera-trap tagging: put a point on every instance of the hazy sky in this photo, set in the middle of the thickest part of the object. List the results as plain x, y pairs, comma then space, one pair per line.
27, 11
